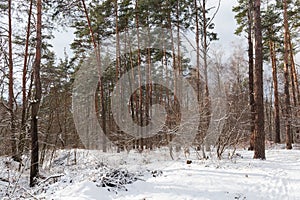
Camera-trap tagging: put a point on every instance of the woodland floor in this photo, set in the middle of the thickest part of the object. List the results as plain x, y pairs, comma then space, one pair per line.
157, 176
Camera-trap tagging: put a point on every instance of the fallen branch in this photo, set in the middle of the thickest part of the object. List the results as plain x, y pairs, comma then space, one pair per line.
51, 177
4, 180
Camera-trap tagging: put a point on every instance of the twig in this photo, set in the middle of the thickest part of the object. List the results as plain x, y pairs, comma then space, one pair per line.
29, 193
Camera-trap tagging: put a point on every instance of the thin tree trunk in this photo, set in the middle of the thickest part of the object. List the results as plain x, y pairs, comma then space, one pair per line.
179, 67
295, 85
141, 143
34, 169
148, 113
294, 79
286, 79
205, 49
24, 80
100, 84
178, 39
162, 89
259, 133
168, 99
133, 99
207, 106
197, 50
14, 149
118, 66
251, 75
117, 41
199, 91
276, 98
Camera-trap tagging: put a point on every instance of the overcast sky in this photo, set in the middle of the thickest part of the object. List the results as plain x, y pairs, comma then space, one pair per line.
226, 24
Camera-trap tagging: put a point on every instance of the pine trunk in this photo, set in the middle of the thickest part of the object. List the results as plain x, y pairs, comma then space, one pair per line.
294, 80
34, 169
141, 141
24, 80
259, 133
288, 137
197, 50
11, 87
276, 98
251, 78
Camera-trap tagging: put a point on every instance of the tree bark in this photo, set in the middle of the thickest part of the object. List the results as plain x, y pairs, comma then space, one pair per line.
200, 101
293, 74
276, 98
288, 137
197, 50
14, 149
24, 80
251, 75
34, 169
259, 133
295, 85
141, 141
205, 49
207, 106
291, 62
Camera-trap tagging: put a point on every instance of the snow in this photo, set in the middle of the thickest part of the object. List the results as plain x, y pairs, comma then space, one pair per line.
160, 178
82, 191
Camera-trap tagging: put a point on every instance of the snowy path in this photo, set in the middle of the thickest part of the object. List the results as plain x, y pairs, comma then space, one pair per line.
277, 178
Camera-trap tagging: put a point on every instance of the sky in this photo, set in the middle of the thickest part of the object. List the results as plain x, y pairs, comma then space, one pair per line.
224, 21
225, 24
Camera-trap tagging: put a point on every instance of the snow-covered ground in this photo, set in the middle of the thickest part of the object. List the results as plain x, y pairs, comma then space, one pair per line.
159, 177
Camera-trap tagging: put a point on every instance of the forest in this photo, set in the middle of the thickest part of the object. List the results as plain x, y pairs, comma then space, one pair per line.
145, 75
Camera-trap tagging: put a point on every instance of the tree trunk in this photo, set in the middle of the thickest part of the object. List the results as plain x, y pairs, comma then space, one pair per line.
292, 67
294, 81
97, 53
14, 149
141, 142
294, 72
197, 38
117, 40
259, 133
148, 101
276, 98
34, 169
205, 50
251, 78
24, 80
288, 137
197, 50
207, 106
